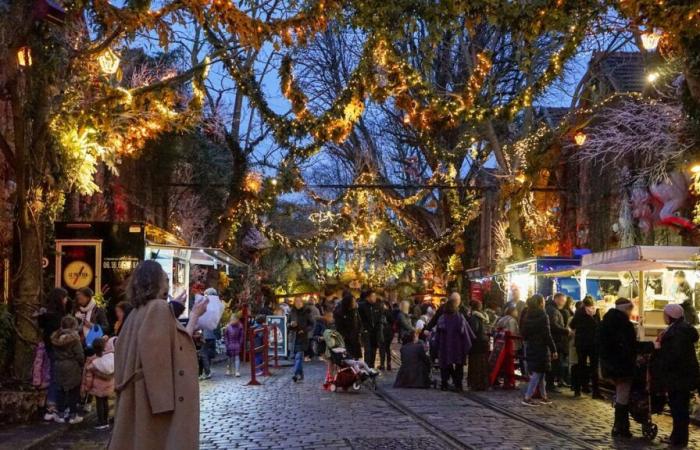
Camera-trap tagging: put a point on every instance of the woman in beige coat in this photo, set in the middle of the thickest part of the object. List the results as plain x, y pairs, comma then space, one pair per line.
155, 370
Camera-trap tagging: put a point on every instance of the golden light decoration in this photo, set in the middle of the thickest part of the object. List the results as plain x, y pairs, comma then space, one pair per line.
695, 168
24, 56
252, 182
109, 62
650, 40
652, 77
580, 138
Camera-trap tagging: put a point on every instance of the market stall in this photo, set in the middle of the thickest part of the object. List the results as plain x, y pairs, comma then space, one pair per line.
650, 276
543, 275
101, 256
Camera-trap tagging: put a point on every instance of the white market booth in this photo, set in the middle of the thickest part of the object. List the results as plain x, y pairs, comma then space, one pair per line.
650, 276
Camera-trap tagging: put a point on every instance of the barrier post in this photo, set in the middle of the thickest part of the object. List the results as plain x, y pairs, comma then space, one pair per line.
246, 329
251, 337
266, 351
274, 341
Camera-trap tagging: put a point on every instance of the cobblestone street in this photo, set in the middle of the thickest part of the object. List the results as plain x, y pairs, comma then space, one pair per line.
283, 415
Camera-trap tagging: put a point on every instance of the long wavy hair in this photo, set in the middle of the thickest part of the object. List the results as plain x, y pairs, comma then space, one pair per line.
147, 282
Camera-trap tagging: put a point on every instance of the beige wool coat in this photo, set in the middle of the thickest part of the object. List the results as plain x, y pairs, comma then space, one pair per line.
155, 371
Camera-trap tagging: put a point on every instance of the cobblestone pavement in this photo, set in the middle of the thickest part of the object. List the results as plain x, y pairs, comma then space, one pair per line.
283, 415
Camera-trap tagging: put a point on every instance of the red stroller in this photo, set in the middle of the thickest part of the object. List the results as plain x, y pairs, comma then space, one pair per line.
349, 377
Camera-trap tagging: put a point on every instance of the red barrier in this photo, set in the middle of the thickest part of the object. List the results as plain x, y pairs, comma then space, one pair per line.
253, 350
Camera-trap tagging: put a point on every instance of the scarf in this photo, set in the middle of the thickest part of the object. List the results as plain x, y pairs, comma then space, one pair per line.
85, 313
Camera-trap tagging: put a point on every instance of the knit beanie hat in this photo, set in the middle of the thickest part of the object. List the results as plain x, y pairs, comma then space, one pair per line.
623, 304
673, 311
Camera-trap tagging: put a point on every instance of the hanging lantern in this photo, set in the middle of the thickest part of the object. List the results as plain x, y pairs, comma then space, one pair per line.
650, 40
24, 56
109, 62
580, 138
252, 182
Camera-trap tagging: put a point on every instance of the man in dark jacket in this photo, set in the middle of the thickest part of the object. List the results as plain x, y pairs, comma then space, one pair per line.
617, 344
560, 334
689, 312
585, 325
678, 370
301, 325
373, 321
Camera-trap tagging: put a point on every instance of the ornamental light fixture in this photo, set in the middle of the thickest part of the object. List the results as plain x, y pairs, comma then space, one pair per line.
580, 138
695, 168
109, 62
24, 56
652, 77
650, 40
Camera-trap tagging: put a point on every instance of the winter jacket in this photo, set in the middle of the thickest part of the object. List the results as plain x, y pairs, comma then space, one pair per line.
677, 360
98, 379
373, 319
453, 339
586, 328
557, 327
405, 326
69, 358
348, 324
303, 326
233, 339
617, 344
479, 323
510, 323
691, 315
388, 326
333, 339
415, 367
49, 322
539, 344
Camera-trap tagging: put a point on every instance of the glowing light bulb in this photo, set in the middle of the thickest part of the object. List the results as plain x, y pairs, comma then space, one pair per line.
652, 77
580, 138
650, 40
109, 62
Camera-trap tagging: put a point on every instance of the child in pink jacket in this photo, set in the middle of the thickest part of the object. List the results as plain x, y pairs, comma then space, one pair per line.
98, 379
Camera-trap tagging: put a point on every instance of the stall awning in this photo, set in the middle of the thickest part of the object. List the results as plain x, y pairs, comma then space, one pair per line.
641, 258
203, 256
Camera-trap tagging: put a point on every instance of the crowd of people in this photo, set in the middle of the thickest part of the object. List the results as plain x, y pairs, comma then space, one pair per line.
152, 362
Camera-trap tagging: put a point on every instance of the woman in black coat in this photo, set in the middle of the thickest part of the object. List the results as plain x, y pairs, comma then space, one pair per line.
585, 325
618, 353
415, 365
679, 373
539, 348
348, 324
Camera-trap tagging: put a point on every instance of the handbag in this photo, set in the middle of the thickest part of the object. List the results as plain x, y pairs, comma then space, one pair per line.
94, 333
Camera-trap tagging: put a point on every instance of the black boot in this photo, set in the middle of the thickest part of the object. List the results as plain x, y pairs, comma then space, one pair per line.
621, 428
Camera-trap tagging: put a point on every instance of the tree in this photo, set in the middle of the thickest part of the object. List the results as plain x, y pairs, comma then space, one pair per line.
69, 112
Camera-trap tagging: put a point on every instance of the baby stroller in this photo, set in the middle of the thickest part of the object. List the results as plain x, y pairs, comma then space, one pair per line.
640, 395
350, 374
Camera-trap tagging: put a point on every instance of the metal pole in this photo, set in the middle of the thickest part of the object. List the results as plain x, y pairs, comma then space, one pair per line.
274, 340
253, 381
266, 351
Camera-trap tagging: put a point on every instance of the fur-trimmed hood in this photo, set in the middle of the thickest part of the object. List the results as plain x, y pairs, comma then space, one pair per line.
63, 338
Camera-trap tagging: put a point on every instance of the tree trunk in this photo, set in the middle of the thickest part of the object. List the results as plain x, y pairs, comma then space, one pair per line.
27, 293
516, 232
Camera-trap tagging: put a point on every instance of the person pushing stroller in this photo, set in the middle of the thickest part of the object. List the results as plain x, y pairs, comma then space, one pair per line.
339, 362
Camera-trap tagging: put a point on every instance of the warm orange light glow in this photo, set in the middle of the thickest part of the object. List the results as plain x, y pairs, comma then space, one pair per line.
109, 62
24, 56
580, 138
650, 40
